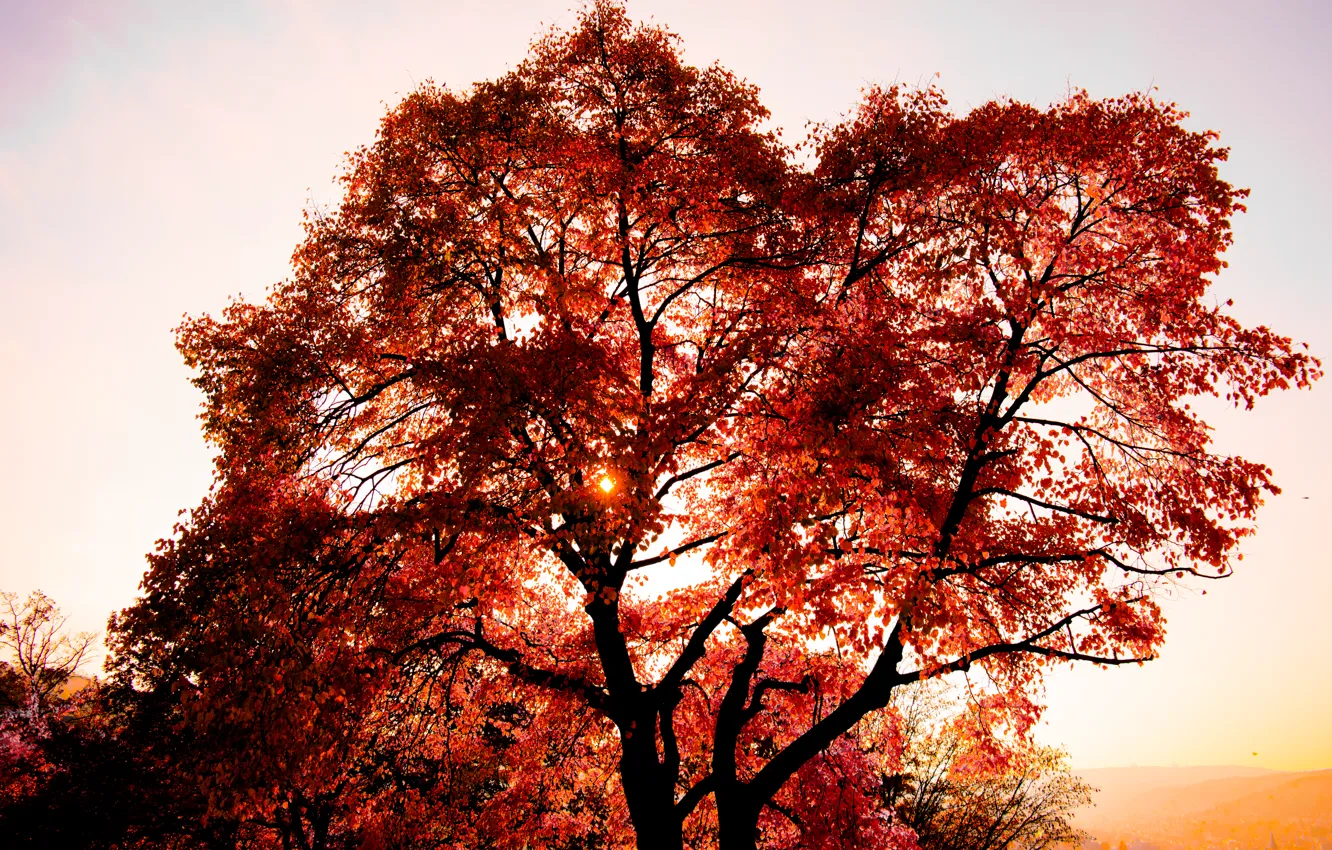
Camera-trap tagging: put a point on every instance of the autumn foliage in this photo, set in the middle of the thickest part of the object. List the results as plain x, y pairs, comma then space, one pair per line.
605, 465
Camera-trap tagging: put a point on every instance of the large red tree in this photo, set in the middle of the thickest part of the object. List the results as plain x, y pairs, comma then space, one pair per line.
594, 381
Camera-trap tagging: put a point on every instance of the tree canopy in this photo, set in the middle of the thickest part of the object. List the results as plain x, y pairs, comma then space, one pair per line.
605, 464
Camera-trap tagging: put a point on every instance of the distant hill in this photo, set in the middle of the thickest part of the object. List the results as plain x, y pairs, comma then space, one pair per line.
1119, 788
1188, 807
73, 685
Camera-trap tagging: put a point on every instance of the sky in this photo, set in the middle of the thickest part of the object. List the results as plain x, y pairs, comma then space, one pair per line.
155, 159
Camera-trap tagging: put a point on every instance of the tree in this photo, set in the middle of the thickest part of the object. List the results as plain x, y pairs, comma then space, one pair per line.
51, 730
81, 764
589, 380
955, 795
43, 657
33, 687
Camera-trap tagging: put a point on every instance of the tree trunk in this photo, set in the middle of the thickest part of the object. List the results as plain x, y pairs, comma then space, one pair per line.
649, 792
737, 820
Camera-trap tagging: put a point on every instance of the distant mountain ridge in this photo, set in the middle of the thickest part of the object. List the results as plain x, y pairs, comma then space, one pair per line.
1118, 787
1210, 806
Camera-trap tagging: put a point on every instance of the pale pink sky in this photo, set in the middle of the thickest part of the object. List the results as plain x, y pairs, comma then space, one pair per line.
154, 161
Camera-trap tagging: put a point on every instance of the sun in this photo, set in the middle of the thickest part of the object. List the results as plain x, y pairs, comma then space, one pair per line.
607, 484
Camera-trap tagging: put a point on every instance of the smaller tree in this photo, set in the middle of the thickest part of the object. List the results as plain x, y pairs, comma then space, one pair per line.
44, 656
37, 706
963, 788
82, 763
